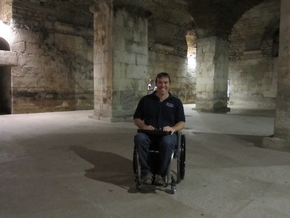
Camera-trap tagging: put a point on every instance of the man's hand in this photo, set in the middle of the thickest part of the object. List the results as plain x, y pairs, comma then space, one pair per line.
149, 127
177, 127
168, 129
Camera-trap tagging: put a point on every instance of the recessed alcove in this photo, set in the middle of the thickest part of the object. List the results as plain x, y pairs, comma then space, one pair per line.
5, 82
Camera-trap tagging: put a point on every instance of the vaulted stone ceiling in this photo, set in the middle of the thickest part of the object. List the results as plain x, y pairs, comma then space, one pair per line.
256, 30
173, 21
200, 18
217, 17
207, 17
169, 24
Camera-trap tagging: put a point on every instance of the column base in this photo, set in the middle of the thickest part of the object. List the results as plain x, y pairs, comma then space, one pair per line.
217, 110
275, 143
119, 116
96, 117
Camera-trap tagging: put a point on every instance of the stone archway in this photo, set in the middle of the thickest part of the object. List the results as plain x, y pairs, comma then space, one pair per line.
5, 82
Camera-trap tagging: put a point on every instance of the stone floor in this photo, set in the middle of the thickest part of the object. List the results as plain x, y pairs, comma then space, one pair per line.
66, 164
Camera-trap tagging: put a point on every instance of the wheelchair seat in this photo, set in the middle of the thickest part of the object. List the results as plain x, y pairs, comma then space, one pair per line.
173, 177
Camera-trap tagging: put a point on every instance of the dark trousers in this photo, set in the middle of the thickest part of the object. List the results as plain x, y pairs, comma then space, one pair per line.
165, 145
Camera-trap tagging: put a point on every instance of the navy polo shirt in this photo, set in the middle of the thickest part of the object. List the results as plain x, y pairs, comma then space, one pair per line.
160, 114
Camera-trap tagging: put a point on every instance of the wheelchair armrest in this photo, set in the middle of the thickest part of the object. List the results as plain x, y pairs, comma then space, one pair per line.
154, 132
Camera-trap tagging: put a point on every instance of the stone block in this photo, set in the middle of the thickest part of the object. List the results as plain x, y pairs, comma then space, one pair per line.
119, 44
141, 60
209, 88
33, 48
270, 94
120, 84
163, 47
136, 48
63, 27
24, 82
18, 47
275, 143
8, 58
32, 71
124, 57
134, 71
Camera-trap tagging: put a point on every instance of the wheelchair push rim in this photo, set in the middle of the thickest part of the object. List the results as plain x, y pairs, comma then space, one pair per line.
182, 157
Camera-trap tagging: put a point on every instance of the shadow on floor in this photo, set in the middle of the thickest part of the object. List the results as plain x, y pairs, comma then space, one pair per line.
252, 112
256, 140
112, 168
108, 167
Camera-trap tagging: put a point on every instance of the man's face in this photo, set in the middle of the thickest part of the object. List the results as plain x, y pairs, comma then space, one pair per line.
162, 85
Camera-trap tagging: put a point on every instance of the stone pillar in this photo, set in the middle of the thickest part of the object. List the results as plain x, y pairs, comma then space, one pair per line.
120, 59
5, 10
281, 138
212, 60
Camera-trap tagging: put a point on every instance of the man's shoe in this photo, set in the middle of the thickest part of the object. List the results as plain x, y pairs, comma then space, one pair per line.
159, 180
147, 180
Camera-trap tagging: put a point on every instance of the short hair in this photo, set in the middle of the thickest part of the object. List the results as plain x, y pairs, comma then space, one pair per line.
162, 74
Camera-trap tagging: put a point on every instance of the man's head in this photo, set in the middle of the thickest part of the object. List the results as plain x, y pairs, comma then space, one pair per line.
162, 83
162, 74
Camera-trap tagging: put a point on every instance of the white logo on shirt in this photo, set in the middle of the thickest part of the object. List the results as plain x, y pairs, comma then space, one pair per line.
169, 104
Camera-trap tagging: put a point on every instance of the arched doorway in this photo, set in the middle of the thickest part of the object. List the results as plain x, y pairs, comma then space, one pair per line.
5, 83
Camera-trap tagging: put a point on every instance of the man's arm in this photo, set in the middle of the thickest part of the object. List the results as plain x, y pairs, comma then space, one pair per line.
177, 127
141, 125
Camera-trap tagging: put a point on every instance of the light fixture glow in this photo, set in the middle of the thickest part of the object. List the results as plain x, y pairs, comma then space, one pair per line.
6, 32
191, 62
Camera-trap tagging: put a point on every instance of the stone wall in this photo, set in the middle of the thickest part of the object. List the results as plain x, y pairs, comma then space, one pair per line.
55, 59
253, 81
253, 57
182, 81
168, 53
53, 40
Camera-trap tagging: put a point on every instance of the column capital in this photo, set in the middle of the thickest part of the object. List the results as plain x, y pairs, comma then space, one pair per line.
141, 11
101, 5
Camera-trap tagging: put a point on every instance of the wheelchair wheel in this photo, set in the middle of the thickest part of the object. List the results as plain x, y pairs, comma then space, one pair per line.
135, 164
136, 169
137, 184
182, 157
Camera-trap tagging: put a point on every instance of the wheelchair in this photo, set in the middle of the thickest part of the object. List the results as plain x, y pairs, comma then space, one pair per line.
173, 177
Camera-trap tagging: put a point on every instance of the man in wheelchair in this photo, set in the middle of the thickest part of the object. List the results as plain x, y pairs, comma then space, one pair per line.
158, 111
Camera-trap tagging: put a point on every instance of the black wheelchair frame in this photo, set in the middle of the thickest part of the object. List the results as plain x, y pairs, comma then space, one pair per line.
173, 177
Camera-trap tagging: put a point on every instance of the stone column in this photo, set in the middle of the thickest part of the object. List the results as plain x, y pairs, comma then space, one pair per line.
281, 138
5, 10
120, 59
212, 60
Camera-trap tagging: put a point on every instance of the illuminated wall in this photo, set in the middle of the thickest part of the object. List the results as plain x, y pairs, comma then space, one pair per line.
54, 70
